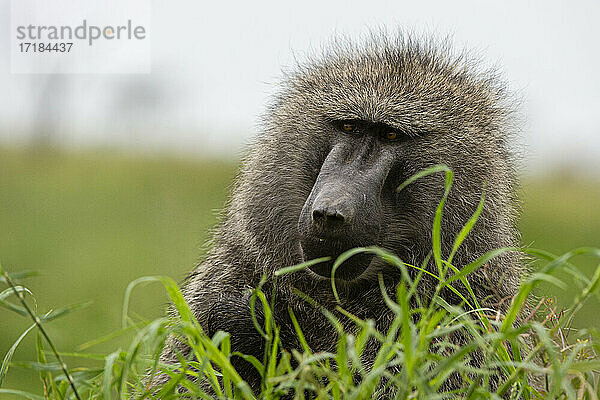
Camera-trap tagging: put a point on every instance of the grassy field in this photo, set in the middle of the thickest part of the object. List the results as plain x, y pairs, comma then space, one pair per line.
91, 223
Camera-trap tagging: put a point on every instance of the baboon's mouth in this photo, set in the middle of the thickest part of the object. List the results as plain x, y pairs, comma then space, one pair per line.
350, 269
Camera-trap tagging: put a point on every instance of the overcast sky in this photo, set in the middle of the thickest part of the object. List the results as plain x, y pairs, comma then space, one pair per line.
214, 65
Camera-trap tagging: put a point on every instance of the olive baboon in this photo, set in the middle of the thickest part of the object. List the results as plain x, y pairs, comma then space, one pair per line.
346, 129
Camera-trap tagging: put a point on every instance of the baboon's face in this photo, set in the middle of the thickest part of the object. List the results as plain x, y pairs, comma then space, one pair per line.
347, 133
345, 208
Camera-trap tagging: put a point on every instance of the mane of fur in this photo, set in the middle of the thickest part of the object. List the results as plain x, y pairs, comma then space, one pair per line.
457, 114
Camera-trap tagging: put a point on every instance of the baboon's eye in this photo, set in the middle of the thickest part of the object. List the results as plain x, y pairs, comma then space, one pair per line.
348, 127
390, 135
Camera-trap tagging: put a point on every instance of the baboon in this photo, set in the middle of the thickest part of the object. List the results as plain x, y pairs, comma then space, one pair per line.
346, 128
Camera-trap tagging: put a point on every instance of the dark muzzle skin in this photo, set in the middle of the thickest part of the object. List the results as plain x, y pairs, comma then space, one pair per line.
343, 210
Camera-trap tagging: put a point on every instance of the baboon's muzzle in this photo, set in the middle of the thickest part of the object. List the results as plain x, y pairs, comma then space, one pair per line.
343, 210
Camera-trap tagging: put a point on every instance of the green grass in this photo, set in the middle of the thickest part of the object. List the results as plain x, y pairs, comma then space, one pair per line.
561, 213
93, 223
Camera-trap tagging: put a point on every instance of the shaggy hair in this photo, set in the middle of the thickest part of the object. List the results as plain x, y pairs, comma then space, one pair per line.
455, 114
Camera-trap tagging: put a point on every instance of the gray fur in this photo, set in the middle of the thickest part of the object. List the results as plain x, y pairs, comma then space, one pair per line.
454, 113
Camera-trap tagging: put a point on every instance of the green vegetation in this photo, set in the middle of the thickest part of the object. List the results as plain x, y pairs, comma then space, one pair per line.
91, 224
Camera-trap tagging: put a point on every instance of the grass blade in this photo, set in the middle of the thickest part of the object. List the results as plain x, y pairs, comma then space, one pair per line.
10, 353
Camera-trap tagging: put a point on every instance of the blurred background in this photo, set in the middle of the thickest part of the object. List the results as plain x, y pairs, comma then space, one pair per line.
108, 177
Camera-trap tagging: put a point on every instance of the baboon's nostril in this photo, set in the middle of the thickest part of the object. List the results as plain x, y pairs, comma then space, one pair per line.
318, 215
326, 216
